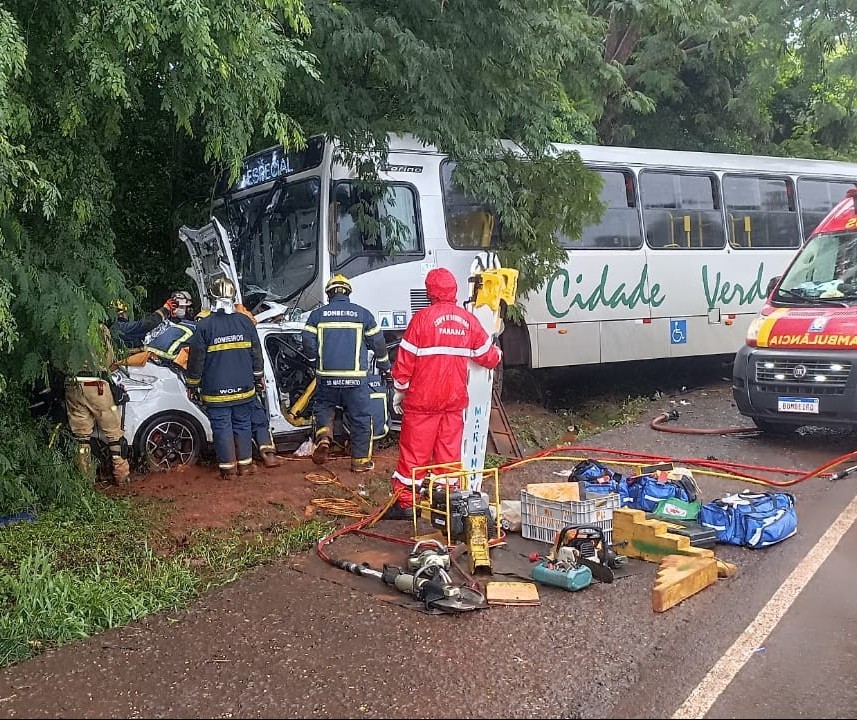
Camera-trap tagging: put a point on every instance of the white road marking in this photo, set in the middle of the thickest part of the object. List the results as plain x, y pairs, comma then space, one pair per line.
704, 695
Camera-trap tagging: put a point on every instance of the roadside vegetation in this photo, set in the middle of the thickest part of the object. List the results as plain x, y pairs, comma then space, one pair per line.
89, 566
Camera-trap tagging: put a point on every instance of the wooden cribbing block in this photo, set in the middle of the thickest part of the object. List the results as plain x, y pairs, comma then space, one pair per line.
679, 577
512, 593
636, 536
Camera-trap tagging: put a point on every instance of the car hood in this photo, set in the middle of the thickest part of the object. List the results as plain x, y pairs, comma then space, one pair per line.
210, 258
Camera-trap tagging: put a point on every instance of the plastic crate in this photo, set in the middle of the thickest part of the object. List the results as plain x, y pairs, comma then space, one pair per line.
542, 519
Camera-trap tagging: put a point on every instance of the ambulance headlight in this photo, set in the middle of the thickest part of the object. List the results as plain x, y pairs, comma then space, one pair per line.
753, 330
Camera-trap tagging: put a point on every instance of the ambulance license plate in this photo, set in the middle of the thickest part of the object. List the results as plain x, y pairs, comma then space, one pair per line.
797, 405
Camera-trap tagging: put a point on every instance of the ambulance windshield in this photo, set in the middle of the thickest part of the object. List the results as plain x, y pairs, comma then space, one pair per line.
825, 272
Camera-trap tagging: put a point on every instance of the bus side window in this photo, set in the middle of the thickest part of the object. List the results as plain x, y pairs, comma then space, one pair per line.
816, 198
761, 211
470, 224
373, 227
681, 210
619, 226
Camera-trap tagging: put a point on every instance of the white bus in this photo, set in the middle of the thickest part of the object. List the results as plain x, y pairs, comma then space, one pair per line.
678, 265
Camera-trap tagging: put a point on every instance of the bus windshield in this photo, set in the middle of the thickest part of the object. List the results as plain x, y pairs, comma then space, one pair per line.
275, 236
825, 271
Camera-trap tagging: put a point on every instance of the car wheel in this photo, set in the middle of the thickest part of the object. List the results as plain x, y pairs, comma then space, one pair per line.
169, 440
775, 428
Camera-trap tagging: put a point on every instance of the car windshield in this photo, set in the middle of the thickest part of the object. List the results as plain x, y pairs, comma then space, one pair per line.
275, 238
825, 272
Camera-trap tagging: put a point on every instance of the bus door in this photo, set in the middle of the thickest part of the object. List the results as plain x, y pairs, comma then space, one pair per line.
383, 238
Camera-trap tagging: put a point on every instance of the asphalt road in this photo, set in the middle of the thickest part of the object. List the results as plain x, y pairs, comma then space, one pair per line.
293, 639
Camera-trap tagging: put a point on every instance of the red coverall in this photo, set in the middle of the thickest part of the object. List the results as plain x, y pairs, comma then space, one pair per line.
431, 369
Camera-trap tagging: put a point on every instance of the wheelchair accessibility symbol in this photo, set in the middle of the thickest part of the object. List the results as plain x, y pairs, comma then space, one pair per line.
678, 332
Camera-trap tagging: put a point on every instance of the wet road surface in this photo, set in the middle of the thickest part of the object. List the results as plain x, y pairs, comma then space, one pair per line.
283, 642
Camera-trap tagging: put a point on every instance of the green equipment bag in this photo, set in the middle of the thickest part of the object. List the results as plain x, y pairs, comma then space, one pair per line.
677, 509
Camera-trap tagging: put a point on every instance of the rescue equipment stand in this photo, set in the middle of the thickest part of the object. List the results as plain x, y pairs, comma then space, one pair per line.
451, 504
491, 289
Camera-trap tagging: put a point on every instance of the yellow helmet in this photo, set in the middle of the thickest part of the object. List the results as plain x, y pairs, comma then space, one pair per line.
120, 307
338, 284
223, 289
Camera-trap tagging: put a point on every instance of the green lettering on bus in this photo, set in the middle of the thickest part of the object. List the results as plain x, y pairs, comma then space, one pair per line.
613, 298
723, 292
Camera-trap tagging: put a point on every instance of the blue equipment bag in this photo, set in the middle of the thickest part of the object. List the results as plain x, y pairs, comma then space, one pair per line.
753, 520
646, 491
597, 479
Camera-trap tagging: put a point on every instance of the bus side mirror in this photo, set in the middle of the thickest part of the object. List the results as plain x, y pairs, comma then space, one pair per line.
772, 283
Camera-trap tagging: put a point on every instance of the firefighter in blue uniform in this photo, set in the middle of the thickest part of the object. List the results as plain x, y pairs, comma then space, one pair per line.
337, 337
130, 334
224, 373
167, 339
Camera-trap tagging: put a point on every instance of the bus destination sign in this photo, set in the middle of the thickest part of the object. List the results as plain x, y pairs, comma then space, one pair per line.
267, 165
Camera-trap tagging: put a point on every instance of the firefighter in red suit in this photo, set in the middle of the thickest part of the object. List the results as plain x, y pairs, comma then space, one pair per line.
430, 380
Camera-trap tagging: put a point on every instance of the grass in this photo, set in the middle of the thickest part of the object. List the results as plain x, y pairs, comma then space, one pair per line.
72, 574
593, 410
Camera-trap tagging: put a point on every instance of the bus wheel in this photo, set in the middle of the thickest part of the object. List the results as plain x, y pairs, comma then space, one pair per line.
775, 428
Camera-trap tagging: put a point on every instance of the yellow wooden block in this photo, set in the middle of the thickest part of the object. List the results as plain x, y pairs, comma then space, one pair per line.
559, 491
636, 536
725, 569
512, 593
679, 577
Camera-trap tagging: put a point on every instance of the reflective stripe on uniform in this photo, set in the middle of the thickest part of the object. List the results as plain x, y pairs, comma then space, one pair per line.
404, 480
358, 345
241, 345
229, 398
437, 350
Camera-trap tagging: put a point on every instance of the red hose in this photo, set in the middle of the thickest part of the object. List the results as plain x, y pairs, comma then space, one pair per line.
727, 467
655, 424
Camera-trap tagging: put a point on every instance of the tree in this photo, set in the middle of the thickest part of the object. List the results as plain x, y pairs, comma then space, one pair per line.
651, 44
463, 75
74, 76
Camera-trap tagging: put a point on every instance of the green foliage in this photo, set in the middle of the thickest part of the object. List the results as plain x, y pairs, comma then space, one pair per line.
34, 467
76, 572
85, 90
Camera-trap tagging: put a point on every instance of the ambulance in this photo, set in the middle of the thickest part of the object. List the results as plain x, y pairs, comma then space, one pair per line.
797, 365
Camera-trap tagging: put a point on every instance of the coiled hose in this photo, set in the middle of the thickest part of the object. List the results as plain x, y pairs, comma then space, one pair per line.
657, 424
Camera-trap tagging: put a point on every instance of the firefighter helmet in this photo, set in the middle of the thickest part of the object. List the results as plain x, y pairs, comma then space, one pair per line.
223, 289
338, 284
182, 298
182, 302
121, 309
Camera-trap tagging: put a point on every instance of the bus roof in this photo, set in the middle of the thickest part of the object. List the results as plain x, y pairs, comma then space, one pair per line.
642, 157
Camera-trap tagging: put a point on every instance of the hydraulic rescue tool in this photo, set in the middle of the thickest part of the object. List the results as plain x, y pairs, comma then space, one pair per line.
466, 518
428, 580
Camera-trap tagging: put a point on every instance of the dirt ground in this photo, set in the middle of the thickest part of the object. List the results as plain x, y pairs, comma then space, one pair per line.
194, 498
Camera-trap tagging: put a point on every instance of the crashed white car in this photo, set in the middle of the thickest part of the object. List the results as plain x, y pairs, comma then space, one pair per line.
164, 429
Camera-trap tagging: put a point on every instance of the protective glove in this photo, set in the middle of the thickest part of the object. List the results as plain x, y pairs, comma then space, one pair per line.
193, 395
170, 304
387, 376
398, 399
259, 383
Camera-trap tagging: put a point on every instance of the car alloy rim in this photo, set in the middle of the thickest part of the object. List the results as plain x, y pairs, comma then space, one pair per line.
170, 443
